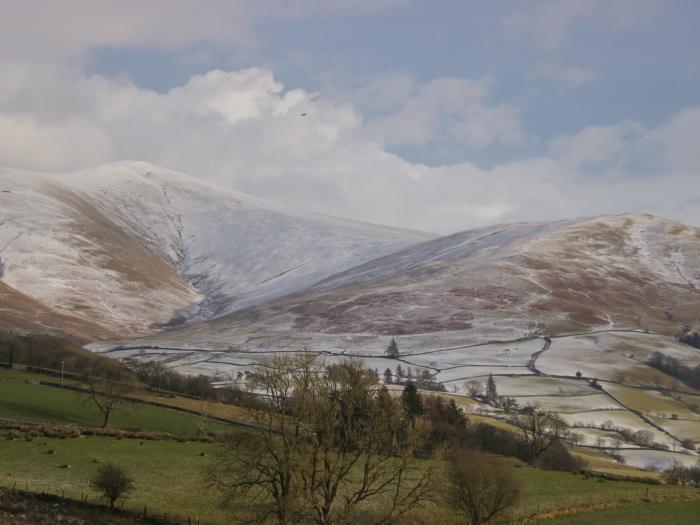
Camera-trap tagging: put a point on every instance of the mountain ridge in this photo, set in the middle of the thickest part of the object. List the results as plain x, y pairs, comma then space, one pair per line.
189, 249
504, 282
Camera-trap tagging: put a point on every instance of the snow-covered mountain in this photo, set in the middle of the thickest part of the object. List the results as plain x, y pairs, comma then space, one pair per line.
127, 249
499, 283
130, 247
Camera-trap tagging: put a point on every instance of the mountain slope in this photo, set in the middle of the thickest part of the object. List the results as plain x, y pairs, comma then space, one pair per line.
132, 247
26, 315
502, 282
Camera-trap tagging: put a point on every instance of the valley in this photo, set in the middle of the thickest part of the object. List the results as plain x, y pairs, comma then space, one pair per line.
148, 266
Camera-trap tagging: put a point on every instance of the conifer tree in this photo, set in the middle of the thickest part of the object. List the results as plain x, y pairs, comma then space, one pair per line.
412, 401
388, 377
491, 392
392, 349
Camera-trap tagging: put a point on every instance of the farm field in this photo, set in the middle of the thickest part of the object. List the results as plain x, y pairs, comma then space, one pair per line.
33, 402
554, 374
168, 475
178, 487
666, 513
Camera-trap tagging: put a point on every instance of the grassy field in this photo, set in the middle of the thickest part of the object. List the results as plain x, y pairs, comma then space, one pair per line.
651, 402
214, 409
33, 402
600, 462
169, 475
668, 513
548, 486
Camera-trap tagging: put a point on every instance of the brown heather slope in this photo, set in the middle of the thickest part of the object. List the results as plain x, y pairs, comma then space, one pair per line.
503, 282
67, 268
26, 315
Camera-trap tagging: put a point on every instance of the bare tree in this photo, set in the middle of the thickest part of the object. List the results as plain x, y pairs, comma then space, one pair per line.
108, 384
643, 438
474, 387
541, 430
481, 488
576, 438
203, 423
329, 439
361, 448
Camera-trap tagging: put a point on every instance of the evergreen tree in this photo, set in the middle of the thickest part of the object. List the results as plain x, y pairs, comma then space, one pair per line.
455, 415
392, 349
388, 377
399, 373
491, 393
412, 402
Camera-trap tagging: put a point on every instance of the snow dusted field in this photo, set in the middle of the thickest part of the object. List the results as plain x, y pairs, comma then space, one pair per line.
656, 459
517, 353
456, 377
603, 354
568, 404
579, 404
542, 386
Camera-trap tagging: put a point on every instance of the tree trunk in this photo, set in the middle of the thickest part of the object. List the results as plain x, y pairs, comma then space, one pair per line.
107, 415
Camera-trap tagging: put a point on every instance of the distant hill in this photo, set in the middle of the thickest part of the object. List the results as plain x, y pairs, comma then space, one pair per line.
630, 271
130, 247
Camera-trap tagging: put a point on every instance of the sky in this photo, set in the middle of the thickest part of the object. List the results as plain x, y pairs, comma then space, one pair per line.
437, 116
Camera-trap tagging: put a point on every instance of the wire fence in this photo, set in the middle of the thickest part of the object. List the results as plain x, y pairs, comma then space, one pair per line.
134, 510
523, 513
532, 512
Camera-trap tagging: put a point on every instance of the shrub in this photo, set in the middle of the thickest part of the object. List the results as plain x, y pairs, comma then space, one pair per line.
558, 457
481, 488
112, 482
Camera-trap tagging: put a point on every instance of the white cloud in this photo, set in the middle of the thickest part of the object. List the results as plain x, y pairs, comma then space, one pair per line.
243, 129
595, 145
449, 111
677, 141
43, 145
39, 29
